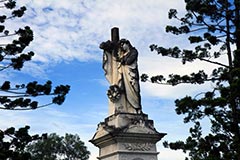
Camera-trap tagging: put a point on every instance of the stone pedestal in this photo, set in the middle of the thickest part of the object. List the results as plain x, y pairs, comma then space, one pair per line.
126, 136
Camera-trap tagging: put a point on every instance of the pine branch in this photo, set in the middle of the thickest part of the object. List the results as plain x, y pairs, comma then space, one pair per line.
22, 95
8, 35
26, 109
5, 67
213, 62
171, 84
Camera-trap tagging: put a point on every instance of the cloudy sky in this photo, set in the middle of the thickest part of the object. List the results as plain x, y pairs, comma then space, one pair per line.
66, 39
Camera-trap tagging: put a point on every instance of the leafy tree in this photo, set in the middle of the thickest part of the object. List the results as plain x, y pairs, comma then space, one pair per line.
209, 24
68, 147
20, 96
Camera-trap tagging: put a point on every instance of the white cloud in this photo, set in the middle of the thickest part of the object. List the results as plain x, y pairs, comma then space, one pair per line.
73, 30
157, 65
167, 154
66, 30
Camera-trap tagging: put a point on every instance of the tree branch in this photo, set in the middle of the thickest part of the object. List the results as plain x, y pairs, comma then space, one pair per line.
213, 62
169, 84
4, 67
3, 36
26, 109
22, 95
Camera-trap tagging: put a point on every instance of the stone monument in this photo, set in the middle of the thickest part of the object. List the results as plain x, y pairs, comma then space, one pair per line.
127, 133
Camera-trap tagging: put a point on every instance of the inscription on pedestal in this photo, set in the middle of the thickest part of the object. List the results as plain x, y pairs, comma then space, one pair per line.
138, 146
131, 157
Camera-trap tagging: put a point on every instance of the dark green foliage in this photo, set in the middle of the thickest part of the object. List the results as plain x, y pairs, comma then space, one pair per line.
10, 4
213, 29
21, 96
12, 56
21, 101
15, 148
68, 147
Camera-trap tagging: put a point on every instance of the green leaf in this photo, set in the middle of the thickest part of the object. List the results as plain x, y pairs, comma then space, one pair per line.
172, 13
195, 39
34, 105
10, 4
19, 12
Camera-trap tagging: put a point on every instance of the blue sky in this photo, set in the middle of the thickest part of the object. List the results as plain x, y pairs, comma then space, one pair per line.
66, 39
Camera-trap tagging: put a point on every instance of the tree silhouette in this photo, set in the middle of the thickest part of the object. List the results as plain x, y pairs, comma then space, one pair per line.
20, 96
68, 147
208, 24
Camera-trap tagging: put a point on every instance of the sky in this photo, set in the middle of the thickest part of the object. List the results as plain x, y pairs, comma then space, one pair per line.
67, 35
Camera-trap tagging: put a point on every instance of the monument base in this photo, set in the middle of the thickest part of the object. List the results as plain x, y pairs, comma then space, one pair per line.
126, 136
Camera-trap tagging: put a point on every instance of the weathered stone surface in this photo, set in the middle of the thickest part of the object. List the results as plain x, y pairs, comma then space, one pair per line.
121, 71
126, 135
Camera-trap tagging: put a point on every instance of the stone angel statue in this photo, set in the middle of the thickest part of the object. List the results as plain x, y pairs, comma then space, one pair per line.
121, 71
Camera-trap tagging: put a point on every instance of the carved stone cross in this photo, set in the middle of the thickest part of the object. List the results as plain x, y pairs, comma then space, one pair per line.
115, 34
